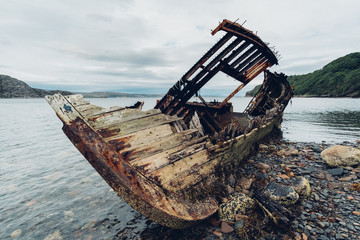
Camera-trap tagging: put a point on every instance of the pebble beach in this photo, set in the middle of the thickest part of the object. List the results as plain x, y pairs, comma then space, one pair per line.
332, 211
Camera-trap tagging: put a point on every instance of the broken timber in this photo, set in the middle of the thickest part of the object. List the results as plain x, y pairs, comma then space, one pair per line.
169, 162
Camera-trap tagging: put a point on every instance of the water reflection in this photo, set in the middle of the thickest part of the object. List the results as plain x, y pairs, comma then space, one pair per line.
330, 126
337, 119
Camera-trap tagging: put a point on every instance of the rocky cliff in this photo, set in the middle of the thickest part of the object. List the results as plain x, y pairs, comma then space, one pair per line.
14, 88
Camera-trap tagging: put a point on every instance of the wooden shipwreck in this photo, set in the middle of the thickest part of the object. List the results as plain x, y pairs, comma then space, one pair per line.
169, 163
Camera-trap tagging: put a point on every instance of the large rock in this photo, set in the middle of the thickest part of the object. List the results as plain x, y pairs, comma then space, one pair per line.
238, 203
302, 187
341, 156
285, 195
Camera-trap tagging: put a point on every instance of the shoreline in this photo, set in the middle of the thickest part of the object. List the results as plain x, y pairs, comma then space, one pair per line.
331, 212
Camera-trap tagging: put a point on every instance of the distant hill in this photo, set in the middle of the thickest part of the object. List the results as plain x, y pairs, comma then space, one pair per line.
339, 78
115, 94
252, 92
14, 88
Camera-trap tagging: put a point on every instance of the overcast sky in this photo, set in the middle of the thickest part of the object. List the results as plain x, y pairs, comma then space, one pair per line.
145, 46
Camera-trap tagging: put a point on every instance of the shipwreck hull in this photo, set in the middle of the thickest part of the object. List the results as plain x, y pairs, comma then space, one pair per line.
168, 176
169, 163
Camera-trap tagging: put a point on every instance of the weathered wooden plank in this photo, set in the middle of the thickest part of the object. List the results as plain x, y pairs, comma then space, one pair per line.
143, 136
112, 117
155, 161
172, 171
89, 109
191, 176
143, 195
160, 160
156, 145
176, 177
232, 150
135, 125
76, 100
110, 112
62, 107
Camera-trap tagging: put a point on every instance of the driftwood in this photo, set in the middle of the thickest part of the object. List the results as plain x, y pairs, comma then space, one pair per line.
279, 214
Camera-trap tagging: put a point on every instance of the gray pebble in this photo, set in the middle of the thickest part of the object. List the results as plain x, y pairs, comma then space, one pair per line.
339, 236
307, 205
239, 224
323, 224
342, 224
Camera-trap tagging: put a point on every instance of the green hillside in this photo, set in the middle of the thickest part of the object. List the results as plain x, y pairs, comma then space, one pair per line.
339, 78
14, 88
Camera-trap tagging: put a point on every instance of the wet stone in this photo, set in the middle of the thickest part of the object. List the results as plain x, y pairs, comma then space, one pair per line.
342, 224
16, 233
54, 236
285, 195
263, 176
239, 224
339, 236
316, 149
302, 187
238, 203
264, 166
327, 212
307, 205
226, 228
336, 171
308, 227
272, 147
316, 197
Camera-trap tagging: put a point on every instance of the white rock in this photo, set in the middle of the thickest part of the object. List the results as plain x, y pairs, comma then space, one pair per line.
54, 236
341, 156
16, 233
69, 215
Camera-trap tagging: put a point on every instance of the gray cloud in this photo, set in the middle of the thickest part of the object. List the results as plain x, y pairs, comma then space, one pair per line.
93, 45
141, 58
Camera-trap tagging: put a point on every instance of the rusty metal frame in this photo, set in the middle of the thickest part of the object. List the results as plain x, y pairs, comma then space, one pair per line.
243, 58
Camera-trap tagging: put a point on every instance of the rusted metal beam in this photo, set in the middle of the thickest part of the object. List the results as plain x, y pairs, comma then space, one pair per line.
171, 109
231, 95
190, 89
207, 55
237, 51
182, 82
255, 66
240, 31
232, 72
243, 56
247, 61
240, 59
260, 68
251, 64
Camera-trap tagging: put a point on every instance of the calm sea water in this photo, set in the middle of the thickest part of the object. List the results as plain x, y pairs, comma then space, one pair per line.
49, 191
